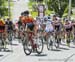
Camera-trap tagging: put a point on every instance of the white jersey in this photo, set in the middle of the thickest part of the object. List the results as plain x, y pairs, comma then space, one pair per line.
49, 26
69, 25
38, 23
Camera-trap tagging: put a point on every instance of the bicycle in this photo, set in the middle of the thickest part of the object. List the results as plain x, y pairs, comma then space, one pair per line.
68, 40
20, 33
74, 38
57, 38
10, 35
2, 41
32, 43
50, 40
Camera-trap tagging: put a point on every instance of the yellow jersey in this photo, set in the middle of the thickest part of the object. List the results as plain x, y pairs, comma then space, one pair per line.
2, 22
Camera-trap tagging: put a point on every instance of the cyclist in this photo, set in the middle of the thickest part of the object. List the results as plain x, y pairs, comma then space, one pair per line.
9, 26
2, 25
20, 20
28, 23
49, 26
49, 29
57, 28
2, 31
68, 31
39, 24
73, 32
28, 20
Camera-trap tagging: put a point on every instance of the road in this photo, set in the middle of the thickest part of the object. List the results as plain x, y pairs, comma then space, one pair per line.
64, 54
19, 6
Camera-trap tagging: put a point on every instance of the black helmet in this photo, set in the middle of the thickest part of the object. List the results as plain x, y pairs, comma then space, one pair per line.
8, 18
54, 15
22, 13
66, 20
26, 12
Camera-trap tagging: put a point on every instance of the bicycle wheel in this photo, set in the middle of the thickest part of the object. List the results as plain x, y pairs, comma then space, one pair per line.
68, 40
9, 36
68, 43
49, 44
4, 43
27, 46
39, 45
56, 42
74, 41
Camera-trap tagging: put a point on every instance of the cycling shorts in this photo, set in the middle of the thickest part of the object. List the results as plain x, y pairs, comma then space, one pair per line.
57, 27
68, 29
30, 26
10, 28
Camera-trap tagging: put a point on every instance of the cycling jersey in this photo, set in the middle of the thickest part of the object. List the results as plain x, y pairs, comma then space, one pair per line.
2, 26
9, 25
49, 27
68, 27
57, 26
27, 19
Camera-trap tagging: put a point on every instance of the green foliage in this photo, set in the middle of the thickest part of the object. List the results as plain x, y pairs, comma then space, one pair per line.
4, 11
58, 6
53, 5
34, 14
3, 8
73, 3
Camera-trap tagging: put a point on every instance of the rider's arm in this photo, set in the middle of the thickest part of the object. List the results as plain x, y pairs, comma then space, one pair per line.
64, 28
53, 25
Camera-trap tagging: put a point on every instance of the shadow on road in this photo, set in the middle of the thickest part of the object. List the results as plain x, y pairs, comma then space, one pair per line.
5, 50
55, 50
1, 55
63, 48
8, 51
39, 55
72, 47
63, 44
14, 44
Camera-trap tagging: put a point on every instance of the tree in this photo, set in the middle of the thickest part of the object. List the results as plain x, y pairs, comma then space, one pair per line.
58, 6
3, 8
73, 3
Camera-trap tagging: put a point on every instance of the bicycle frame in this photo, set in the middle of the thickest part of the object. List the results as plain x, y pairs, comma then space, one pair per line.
31, 39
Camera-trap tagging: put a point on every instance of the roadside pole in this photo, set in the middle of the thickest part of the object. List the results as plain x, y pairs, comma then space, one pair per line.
69, 12
9, 8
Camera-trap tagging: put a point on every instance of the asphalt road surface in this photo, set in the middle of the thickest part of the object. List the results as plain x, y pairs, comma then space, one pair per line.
63, 54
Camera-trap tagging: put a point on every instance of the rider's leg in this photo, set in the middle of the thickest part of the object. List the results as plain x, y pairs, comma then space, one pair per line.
35, 29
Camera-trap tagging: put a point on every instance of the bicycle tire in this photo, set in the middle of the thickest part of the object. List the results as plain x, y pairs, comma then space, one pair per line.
25, 45
39, 52
49, 44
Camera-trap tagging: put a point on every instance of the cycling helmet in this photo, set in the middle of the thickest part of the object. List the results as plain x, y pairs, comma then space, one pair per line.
26, 12
22, 13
